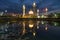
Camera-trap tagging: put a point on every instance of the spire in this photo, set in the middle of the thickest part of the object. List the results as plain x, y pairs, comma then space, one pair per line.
23, 10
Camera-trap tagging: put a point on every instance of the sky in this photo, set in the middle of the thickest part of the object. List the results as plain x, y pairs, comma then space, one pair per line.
16, 5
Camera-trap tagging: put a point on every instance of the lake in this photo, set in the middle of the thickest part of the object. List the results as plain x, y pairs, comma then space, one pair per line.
30, 30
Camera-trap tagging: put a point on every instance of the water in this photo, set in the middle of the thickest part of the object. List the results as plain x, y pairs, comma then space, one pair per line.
30, 30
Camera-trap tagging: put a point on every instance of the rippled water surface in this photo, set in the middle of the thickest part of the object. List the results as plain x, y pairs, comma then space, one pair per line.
30, 30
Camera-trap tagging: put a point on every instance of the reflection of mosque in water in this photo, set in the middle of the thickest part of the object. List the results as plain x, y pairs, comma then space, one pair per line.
23, 29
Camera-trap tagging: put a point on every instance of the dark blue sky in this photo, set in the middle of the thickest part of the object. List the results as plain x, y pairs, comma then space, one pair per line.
16, 5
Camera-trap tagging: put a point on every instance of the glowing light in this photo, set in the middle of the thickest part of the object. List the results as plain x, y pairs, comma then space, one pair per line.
34, 4
42, 22
42, 16
30, 12
24, 28
55, 23
34, 34
5, 10
46, 9
45, 16
23, 10
55, 15
38, 13
24, 31
37, 27
38, 16
23, 6
1, 13
38, 24
46, 28
37, 10
13, 15
31, 25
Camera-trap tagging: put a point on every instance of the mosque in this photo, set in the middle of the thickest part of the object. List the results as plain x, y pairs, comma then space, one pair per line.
33, 13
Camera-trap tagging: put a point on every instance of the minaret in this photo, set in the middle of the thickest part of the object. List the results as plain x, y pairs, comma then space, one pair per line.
23, 10
46, 10
34, 7
6, 11
38, 13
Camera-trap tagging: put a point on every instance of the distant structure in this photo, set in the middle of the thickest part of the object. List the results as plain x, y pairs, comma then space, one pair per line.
31, 12
46, 10
5, 11
1, 13
24, 10
38, 13
34, 7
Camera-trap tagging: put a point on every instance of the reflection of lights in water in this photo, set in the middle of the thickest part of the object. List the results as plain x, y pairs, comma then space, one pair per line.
34, 34
46, 28
6, 25
8, 22
23, 31
24, 28
5, 29
37, 27
42, 22
13, 25
31, 25
55, 23
38, 24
